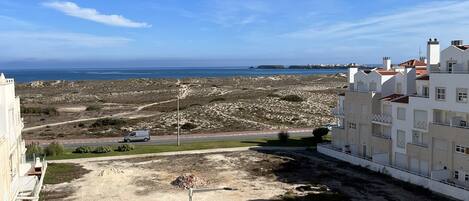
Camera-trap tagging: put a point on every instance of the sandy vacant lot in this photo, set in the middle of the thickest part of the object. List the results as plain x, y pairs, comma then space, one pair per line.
258, 176
207, 105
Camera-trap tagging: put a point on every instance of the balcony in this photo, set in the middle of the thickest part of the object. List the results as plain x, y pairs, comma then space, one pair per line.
382, 119
421, 125
382, 136
450, 72
338, 112
461, 124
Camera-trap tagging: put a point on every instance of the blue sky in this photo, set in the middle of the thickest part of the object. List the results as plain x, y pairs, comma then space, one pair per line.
223, 32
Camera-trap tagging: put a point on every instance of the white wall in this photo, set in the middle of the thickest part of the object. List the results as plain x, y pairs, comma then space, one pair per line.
450, 82
456, 54
425, 182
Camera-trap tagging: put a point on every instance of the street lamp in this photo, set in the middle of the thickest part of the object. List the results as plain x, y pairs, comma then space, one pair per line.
178, 118
192, 191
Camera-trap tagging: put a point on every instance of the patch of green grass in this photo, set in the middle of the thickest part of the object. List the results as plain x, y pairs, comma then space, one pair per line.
146, 149
57, 173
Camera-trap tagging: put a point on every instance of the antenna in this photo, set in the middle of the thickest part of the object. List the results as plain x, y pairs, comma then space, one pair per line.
420, 53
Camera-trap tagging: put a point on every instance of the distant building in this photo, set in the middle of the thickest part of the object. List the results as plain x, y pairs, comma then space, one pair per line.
411, 117
19, 180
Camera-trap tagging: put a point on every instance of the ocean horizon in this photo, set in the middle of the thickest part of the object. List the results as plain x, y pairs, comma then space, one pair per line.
77, 74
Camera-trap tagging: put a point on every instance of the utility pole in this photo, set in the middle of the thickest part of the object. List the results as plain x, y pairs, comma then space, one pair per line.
179, 127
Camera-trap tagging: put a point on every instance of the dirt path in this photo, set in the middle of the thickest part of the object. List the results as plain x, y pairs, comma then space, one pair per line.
242, 120
122, 114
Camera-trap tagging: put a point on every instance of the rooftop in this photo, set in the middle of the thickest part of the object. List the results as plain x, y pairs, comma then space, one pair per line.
413, 63
423, 77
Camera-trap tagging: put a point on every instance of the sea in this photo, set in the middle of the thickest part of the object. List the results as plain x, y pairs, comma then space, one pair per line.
75, 74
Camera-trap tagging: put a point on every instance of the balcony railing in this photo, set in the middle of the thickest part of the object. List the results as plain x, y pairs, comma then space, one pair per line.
421, 125
461, 125
337, 112
451, 72
380, 135
382, 118
420, 144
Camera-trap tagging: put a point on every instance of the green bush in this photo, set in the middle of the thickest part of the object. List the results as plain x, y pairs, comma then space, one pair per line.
38, 110
318, 133
102, 149
188, 126
54, 149
217, 100
292, 98
125, 147
93, 108
83, 149
283, 136
108, 122
34, 150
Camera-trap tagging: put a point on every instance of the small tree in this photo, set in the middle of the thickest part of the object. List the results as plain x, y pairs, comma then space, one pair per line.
34, 150
55, 149
318, 133
283, 136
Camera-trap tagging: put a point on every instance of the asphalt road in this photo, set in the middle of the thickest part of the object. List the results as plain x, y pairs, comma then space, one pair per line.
166, 140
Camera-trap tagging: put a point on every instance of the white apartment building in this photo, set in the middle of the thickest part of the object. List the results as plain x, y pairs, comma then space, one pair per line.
412, 118
19, 180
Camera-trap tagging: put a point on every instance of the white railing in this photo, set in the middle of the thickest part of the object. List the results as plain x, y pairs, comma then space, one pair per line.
380, 135
420, 144
450, 72
451, 125
421, 125
429, 177
382, 118
337, 111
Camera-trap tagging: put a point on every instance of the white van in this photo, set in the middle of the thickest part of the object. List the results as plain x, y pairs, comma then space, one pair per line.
139, 135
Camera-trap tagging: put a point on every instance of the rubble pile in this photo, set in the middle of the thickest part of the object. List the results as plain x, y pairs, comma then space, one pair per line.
187, 181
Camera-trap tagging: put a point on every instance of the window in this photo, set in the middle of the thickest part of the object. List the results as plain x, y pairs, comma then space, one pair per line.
460, 149
425, 91
440, 94
451, 65
466, 178
420, 119
400, 113
461, 94
352, 125
399, 88
400, 139
456, 174
416, 137
373, 86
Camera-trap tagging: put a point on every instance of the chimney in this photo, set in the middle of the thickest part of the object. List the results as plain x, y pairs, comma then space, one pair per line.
387, 63
457, 42
423, 59
433, 54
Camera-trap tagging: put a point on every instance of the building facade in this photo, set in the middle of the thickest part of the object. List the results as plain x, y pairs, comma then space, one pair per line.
19, 180
412, 116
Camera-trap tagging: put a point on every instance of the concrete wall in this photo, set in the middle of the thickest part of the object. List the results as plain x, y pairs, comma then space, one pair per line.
423, 181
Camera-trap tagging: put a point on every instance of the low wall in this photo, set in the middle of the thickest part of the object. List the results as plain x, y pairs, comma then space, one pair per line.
420, 180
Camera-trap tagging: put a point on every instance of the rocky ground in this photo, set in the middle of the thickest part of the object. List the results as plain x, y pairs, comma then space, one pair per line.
207, 105
255, 176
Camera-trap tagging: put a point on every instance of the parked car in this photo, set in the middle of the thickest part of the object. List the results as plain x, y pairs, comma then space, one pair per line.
139, 135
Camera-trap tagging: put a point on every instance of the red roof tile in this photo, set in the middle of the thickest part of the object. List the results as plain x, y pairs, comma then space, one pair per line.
463, 47
413, 63
387, 72
423, 77
404, 99
391, 97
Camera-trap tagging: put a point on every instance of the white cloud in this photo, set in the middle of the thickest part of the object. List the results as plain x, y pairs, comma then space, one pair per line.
230, 13
45, 45
443, 18
72, 9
